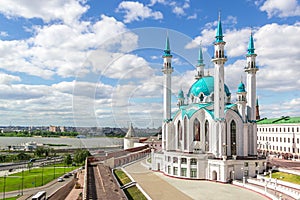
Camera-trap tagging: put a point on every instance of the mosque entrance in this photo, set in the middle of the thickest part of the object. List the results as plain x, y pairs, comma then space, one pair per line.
214, 176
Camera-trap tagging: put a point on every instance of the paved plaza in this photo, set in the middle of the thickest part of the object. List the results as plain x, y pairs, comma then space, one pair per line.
158, 186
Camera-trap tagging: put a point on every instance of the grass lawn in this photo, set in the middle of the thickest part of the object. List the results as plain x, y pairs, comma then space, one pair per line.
133, 192
12, 198
33, 178
122, 177
292, 178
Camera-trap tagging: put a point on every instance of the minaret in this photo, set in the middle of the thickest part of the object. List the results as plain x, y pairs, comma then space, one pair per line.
251, 70
219, 60
200, 65
180, 97
257, 110
241, 100
167, 70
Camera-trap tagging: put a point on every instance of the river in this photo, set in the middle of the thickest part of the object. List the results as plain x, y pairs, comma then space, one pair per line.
94, 142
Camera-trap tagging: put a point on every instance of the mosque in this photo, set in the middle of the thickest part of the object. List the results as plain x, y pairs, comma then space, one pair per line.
209, 137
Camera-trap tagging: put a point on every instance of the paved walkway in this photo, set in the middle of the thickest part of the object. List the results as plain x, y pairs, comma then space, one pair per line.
158, 186
74, 194
153, 185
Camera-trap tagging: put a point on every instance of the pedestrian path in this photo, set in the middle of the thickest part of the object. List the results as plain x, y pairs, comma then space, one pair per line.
154, 186
159, 186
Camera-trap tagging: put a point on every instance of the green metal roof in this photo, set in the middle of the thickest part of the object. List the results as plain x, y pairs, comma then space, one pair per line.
280, 120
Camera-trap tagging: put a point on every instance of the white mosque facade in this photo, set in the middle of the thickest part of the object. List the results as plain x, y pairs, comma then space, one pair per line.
209, 137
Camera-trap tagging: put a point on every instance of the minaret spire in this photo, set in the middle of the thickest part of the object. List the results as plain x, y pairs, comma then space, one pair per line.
167, 70
251, 70
200, 64
251, 45
219, 34
219, 60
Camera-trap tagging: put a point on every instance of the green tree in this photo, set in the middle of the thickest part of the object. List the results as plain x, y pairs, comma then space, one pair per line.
81, 155
23, 156
39, 151
68, 159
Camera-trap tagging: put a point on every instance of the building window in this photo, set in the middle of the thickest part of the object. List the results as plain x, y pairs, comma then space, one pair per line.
193, 173
183, 172
284, 139
179, 130
185, 133
246, 173
297, 140
246, 164
169, 158
183, 161
196, 130
256, 164
193, 161
169, 169
175, 160
289, 140
233, 137
175, 170
206, 135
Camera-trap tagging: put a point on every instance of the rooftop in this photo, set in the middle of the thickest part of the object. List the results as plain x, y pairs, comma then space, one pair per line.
280, 120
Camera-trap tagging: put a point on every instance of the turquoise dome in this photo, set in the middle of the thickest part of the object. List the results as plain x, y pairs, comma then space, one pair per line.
241, 87
205, 85
180, 95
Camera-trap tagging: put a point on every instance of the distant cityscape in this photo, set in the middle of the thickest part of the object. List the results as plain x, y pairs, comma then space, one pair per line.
86, 131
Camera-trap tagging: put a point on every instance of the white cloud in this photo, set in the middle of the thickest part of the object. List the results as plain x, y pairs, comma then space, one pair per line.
69, 11
278, 56
7, 79
3, 34
286, 8
178, 11
194, 16
288, 107
135, 11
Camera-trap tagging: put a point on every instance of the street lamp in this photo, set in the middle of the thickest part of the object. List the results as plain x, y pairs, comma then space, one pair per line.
244, 179
42, 173
4, 185
54, 169
22, 182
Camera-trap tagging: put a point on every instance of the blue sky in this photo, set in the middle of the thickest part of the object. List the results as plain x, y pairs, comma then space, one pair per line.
98, 63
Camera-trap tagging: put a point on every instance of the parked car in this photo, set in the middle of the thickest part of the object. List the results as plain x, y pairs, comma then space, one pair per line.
66, 176
60, 179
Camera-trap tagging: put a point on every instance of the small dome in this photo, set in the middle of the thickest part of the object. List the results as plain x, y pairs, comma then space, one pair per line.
241, 87
205, 85
180, 94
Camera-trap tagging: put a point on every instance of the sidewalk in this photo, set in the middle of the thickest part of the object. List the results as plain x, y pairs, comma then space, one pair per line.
74, 194
159, 186
154, 186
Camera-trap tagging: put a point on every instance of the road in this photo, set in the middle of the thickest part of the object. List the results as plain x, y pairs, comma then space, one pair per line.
50, 188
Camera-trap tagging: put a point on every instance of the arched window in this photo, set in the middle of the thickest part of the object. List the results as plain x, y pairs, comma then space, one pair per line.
179, 131
206, 136
217, 54
185, 133
233, 137
196, 130
220, 53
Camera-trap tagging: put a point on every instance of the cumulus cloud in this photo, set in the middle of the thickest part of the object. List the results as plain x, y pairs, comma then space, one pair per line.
135, 11
7, 79
68, 11
279, 8
278, 56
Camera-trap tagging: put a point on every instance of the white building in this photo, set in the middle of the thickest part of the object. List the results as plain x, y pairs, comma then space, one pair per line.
209, 137
130, 139
279, 136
